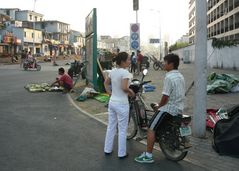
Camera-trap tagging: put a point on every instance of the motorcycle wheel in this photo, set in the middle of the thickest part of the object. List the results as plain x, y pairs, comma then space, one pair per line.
132, 125
156, 66
170, 146
38, 67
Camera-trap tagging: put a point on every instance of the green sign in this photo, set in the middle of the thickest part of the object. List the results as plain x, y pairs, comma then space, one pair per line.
91, 48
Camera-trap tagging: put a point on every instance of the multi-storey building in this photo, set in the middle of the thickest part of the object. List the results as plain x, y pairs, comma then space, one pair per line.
56, 35
223, 19
112, 44
192, 21
22, 26
9, 42
37, 35
11, 12
76, 41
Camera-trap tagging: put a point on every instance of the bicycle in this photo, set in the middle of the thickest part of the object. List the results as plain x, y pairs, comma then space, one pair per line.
140, 112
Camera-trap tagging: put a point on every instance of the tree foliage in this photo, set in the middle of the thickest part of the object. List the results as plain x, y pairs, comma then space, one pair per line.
217, 43
178, 45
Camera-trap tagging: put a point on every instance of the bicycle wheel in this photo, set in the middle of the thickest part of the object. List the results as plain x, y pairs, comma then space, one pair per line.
156, 66
132, 125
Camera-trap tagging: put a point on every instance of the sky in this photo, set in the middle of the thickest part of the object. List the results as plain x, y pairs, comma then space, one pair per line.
168, 18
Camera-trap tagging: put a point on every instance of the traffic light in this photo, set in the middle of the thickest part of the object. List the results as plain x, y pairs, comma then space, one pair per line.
134, 36
135, 5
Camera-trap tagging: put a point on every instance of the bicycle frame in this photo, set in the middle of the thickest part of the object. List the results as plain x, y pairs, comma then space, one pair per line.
142, 119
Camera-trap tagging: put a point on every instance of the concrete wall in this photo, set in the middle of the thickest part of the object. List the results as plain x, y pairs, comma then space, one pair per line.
225, 58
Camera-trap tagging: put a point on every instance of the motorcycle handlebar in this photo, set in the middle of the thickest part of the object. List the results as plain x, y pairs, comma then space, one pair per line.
145, 82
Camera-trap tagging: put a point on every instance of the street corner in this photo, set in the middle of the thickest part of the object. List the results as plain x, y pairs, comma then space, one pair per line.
89, 104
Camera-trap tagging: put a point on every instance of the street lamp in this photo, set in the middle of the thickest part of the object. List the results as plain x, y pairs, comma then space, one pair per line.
160, 40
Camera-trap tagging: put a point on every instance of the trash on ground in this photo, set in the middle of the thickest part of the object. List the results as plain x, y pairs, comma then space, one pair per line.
102, 97
87, 93
42, 87
214, 115
149, 88
222, 83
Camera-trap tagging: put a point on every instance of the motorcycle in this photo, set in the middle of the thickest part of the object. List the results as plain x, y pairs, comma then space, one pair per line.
172, 134
31, 65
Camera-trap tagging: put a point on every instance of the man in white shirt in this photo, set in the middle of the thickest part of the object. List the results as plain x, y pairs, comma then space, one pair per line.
172, 102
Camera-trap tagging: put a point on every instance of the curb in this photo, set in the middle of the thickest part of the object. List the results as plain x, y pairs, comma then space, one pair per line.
83, 111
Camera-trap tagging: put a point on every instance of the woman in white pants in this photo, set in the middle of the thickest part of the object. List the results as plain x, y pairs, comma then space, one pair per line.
119, 79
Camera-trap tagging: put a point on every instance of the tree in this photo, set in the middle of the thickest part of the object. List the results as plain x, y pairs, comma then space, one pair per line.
178, 45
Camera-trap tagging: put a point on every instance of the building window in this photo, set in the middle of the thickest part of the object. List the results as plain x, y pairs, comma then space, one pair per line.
32, 35
237, 37
30, 16
25, 34
236, 3
237, 20
8, 12
35, 18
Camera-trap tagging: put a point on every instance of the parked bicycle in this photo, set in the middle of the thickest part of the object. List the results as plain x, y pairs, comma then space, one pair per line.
172, 134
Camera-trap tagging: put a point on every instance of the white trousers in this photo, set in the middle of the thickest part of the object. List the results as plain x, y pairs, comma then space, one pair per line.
118, 114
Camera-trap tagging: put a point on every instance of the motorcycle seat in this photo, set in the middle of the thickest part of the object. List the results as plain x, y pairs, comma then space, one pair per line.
183, 118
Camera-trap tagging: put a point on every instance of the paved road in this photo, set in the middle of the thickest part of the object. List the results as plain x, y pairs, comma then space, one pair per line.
43, 131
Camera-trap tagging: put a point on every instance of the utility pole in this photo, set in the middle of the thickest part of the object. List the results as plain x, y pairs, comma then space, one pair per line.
200, 96
34, 27
136, 8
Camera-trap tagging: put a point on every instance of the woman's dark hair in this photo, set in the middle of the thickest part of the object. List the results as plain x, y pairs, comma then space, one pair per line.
172, 58
121, 57
61, 70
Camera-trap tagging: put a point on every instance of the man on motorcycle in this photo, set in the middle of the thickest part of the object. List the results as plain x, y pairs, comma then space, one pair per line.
31, 59
172, 102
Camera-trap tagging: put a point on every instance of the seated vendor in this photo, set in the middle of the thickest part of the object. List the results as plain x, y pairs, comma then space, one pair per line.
63, 80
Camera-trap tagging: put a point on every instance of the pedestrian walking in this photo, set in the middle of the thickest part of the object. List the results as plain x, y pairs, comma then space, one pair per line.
140, 58
117, 85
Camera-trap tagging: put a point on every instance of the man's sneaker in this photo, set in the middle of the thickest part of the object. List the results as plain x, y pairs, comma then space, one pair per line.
143, 158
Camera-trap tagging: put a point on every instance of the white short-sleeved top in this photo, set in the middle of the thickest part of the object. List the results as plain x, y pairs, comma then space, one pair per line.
116, 76
174, 87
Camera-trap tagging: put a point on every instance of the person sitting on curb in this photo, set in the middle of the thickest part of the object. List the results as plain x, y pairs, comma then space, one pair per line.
171, 102
63, 80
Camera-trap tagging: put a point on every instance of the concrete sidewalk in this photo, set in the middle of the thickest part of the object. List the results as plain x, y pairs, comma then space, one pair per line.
201, 153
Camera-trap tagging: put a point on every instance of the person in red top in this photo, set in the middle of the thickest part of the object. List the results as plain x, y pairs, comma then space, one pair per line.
140, 58
64, 80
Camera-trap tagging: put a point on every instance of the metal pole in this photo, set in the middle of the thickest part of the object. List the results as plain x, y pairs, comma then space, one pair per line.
200, 96
160, 41
34, 28
160, 49
136, 16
